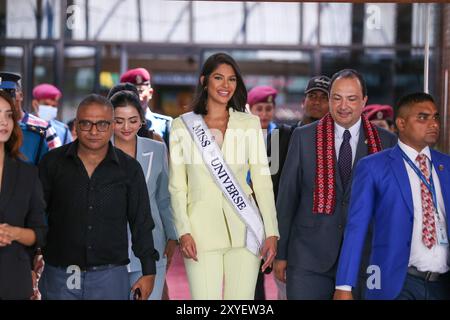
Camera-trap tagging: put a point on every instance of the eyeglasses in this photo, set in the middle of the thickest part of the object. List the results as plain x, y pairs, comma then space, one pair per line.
86, 125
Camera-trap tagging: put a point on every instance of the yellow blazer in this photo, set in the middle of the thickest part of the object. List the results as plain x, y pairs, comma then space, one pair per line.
199, 207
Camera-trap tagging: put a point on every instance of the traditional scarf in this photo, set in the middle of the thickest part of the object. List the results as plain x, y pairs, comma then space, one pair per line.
325, 185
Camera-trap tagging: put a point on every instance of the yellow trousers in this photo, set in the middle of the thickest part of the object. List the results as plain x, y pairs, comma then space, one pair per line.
232, 271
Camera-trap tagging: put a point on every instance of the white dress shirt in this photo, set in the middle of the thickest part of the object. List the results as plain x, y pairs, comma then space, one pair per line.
339, 138
424, 259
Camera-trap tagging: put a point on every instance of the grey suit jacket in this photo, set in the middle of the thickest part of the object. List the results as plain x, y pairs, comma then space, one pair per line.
312, 241
152, 155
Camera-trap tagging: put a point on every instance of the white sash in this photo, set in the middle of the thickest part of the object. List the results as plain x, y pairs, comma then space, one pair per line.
225, 180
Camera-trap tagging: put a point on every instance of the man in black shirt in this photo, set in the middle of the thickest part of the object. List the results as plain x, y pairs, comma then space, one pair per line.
92, 190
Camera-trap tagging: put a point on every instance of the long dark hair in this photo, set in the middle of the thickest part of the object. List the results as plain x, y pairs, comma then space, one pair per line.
14, 142
239, 98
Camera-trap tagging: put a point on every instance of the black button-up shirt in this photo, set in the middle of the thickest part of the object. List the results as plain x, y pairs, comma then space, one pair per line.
88, 217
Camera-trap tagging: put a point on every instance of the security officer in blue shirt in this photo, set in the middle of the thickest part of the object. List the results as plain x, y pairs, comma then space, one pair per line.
33, 146
38, 135
45, 103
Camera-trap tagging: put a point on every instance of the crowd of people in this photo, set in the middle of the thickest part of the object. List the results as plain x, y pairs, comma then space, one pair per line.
348, 203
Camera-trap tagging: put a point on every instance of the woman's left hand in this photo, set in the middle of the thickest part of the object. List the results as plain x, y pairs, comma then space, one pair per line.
268, 252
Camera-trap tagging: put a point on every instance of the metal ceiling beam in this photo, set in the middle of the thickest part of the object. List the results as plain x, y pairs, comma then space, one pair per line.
107, 17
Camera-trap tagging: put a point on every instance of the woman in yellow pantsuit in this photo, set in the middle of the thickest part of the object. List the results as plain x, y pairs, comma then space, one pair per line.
212, 235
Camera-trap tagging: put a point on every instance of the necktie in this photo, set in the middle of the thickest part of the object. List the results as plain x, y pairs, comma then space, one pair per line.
428, 210
345, 159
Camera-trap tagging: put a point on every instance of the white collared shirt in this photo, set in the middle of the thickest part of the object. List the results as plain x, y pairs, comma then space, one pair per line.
339, 138
424, 259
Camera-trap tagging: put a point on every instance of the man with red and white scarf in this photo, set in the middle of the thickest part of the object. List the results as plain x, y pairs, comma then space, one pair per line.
315, 188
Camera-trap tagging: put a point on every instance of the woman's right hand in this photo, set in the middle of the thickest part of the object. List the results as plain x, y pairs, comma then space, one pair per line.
188, 247
6, 235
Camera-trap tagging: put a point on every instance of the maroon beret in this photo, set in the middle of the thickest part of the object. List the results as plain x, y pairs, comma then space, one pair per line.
46, 91
379, 112
261, 94
136, 76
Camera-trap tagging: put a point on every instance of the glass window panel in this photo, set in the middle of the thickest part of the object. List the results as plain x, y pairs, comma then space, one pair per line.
379, 23
218, 22
43, 65
76, 20
271, 23
419, 27
105, 20
113, 20
336, 23
310, 23
79, 78
51, 22
110, 68
161, 21
22, 23
11, 59
168, 21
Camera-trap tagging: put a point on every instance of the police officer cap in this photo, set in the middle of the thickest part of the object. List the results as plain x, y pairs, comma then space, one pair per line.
261, 94
9, 82
137, 76
321, 83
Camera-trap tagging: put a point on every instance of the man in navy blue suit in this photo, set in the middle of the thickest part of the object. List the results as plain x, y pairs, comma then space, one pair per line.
405, 192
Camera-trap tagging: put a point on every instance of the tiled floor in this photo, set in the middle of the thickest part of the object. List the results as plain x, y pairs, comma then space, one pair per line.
179, 287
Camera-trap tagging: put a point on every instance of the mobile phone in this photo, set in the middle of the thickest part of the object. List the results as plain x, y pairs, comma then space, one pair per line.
268, 269
137, 294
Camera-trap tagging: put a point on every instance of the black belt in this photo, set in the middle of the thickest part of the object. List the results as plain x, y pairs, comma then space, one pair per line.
426, 275
95, 268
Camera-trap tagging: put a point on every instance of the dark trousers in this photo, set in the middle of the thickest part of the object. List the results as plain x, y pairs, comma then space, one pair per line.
107, 284
416, 288
260, 293
302, 284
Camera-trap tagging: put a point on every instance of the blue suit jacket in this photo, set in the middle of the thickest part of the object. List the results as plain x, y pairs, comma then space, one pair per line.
384, 195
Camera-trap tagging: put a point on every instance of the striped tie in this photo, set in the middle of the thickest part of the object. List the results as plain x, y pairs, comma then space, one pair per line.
428, 209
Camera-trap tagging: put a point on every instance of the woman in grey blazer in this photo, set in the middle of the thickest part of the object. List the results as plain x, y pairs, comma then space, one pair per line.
152, 156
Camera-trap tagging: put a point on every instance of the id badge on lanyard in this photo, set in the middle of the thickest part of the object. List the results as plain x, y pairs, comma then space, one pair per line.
441, 231
441, 228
